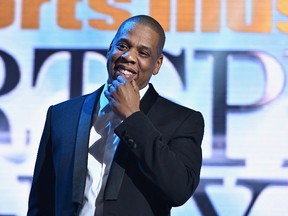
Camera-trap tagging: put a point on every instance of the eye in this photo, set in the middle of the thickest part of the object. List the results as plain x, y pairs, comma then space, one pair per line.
122, 46
144, 53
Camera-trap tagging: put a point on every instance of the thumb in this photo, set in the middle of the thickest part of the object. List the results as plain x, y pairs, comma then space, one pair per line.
135, 86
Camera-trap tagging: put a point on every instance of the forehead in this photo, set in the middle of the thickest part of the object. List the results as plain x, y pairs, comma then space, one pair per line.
139, 32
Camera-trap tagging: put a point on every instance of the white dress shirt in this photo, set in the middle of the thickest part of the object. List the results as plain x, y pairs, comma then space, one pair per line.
103, 143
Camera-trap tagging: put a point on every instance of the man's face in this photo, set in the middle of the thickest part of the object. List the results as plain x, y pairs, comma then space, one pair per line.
134, 54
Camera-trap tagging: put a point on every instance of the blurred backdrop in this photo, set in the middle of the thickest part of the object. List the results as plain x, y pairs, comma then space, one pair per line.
225, 58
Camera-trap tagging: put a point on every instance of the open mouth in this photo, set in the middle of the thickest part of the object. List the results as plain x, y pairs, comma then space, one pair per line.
129, 74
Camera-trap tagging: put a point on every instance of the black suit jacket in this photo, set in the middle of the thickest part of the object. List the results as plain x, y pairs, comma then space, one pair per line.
156, 165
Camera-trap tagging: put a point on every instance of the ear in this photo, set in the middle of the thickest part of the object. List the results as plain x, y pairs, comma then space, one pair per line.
158, 65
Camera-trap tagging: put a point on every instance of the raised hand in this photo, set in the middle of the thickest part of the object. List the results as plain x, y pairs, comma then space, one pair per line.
123, 96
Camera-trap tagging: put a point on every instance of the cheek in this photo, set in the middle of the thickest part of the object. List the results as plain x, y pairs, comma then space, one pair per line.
146, 66
111, 61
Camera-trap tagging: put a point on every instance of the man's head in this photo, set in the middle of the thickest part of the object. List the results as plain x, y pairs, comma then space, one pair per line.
136, 50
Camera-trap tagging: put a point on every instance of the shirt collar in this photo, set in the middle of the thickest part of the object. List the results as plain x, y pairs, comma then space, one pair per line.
143, 91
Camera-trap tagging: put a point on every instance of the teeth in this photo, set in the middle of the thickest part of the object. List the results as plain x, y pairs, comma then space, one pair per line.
126, 72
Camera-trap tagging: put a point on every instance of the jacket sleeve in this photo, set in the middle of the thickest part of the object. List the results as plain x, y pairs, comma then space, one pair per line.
41, 198
172, 164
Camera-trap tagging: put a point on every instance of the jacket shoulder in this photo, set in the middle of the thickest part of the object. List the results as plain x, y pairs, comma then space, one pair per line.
70, 104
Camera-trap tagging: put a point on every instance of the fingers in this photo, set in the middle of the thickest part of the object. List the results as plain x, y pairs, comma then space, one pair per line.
123, 96
121, 79
108, 95
112, 88
118, 85
115, 83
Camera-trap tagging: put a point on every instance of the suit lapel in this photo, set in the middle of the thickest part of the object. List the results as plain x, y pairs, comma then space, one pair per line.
117, 171
81, 146
148, 99
118, 166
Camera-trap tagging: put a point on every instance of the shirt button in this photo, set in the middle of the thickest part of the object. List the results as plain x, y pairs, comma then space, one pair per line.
131, 143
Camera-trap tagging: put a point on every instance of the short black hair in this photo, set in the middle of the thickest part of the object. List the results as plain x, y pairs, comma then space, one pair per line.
151, 23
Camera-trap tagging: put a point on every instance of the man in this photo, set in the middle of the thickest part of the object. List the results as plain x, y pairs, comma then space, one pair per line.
108, 153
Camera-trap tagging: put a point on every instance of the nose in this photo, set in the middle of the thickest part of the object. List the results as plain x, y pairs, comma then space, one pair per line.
129, 56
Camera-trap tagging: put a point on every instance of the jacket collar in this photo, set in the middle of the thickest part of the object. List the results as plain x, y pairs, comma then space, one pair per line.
81, 146
148, 99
